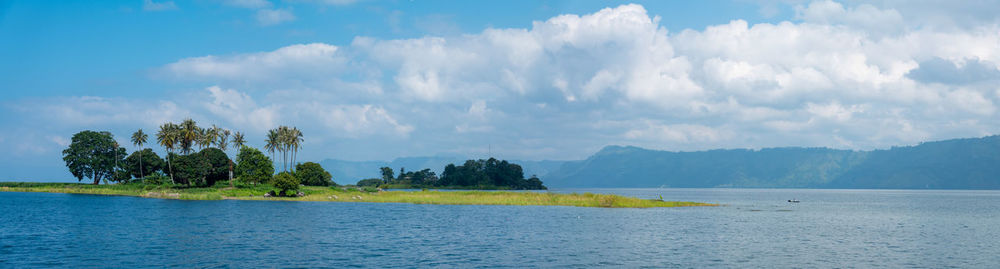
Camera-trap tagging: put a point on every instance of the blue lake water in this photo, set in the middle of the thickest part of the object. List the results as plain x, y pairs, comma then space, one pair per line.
755, 228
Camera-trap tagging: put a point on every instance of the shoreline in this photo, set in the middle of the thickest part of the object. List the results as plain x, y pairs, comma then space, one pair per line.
328, 194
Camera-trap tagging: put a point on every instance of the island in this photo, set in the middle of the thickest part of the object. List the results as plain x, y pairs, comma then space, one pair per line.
351, 194
209, 174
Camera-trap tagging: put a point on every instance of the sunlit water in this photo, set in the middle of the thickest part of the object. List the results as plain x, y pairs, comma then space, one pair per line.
755, 228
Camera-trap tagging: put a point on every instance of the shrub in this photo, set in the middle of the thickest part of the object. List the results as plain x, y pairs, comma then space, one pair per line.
121, 176
312, 174
371, 182
287, 183
253, 166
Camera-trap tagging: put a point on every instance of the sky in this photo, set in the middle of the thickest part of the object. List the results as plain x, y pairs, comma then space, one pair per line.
521, 80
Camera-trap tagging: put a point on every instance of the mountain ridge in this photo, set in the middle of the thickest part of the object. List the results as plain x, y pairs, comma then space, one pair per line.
963, 163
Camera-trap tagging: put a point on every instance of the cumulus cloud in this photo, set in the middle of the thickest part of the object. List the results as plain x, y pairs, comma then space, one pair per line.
839, 75
238, 109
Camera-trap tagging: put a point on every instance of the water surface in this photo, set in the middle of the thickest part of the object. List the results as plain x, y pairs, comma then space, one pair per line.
756, 228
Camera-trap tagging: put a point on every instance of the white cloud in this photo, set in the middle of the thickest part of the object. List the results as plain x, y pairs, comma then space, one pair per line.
355, 121
150, 5
290, 61
675, 133
87, 111
274, 16
843, 75
834, 111
238, 109
347, 120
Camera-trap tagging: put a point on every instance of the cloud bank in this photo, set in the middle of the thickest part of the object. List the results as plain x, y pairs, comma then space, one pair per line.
844, 76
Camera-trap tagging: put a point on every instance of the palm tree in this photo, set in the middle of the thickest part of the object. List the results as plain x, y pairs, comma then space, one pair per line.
272, 142
138, 139
285, 141
168, 136
222, 142
296, 142
238, 140
284, 136
205, 138
222, 138
188, 135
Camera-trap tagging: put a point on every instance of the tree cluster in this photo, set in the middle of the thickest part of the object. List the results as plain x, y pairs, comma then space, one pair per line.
417, 178
97, 156
474, 174
286, 141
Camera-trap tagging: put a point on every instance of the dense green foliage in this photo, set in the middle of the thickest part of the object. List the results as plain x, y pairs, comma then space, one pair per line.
370, 182
93, 155
474, 174
219, 165
952, 164
191, 169
416, 178
253, 166
286, 183
387, 174
352, 171
312, 174
203, 162
491, 172
150, 163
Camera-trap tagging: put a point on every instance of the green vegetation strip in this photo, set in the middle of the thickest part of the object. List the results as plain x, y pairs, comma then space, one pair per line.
222, 191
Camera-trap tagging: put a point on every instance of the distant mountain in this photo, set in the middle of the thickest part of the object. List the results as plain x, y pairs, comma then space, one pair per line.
972, 163
953, 164
349, 172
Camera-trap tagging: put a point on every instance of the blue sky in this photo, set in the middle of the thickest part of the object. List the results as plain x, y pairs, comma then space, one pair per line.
369, 80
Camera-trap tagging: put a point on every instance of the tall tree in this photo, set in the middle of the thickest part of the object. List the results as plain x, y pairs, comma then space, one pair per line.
252, 166
222, 138
296, 142
139, 139
223, 142
188, 135
150, 163
205, 138
284, 141
386, 175
93, 155
272, 142
238, 140
169, 137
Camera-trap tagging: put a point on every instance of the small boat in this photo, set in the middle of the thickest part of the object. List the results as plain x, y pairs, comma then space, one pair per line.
793, 201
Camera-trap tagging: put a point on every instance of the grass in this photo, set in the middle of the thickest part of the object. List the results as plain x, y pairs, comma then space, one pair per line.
250, 192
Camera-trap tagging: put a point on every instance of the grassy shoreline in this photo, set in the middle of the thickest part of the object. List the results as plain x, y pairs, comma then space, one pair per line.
223, 192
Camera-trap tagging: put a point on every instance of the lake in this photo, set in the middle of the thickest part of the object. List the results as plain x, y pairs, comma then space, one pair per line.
755, 228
